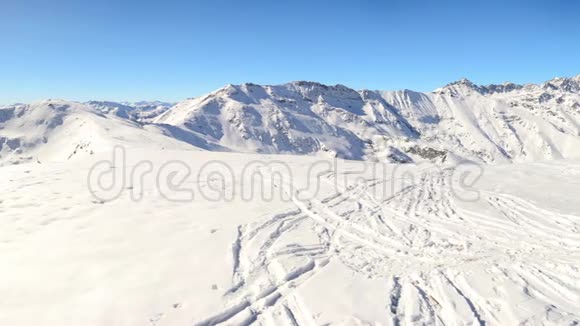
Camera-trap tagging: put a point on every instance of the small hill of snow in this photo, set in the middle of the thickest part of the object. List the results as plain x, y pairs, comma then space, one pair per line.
62, 130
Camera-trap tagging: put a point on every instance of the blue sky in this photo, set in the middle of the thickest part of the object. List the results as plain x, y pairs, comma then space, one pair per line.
173, 49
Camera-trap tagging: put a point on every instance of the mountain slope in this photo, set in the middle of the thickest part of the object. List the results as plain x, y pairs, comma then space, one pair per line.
61, 130
512, 124
298, 118
495, 123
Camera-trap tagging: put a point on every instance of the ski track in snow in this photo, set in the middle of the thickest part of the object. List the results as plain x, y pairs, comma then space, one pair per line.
424, 245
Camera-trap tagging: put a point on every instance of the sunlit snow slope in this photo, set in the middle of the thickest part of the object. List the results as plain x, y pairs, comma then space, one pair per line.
342, 255
57, 130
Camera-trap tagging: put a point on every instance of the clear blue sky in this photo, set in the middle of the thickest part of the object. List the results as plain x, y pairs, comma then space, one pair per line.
173, 49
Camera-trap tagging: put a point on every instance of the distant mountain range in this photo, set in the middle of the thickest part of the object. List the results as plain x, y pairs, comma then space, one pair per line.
460, 121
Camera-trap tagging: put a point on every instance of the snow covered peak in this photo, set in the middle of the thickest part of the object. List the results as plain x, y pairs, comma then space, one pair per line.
56, 104
142, 111
501, 88
462, 85
148, 104
314, 90
464, 81
571, 85
108, 107
465, 86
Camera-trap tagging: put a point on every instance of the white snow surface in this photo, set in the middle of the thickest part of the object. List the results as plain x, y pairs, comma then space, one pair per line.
480, 227
343, 255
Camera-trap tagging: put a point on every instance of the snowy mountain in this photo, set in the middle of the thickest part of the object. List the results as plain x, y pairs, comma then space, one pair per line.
495, 123
462, 120
61, 130
141, 111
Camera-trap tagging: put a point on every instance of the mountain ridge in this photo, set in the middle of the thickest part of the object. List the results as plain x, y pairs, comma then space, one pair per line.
460, 121
396, 115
